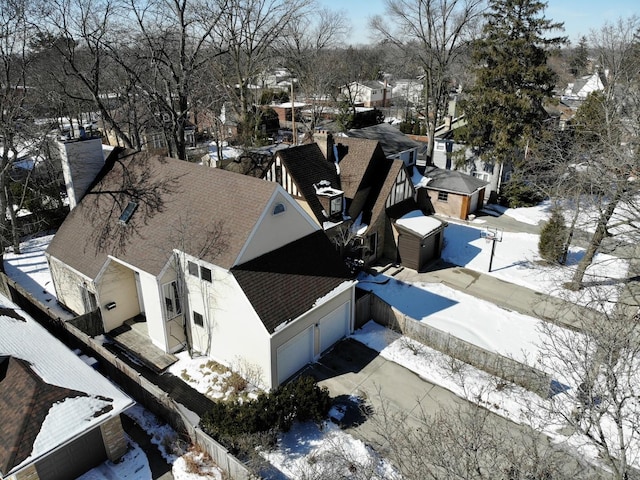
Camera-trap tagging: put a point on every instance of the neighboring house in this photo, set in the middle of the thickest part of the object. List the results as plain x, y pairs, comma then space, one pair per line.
368, 191
410, 90
60, 418
285, 112
450, 192
394, 143
368, 94
583, 86
227, 265
451, 155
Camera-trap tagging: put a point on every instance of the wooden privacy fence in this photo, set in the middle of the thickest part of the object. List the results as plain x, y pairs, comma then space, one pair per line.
142, 390
373, 307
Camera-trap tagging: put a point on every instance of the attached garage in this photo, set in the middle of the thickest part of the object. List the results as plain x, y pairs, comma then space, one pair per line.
295, 354
314, 340
334, 326
73, 459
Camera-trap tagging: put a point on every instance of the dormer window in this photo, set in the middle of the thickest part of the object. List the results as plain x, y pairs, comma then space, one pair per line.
335, 205
330, 198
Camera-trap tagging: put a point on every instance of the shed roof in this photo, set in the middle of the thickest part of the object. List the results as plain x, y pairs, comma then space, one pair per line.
452, 181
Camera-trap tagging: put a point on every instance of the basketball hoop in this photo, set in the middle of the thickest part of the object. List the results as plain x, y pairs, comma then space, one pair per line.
491, 235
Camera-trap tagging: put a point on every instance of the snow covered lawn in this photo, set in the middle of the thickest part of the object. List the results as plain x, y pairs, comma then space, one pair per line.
516, 260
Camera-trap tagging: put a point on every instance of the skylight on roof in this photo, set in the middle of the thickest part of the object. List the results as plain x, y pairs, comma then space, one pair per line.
128, 212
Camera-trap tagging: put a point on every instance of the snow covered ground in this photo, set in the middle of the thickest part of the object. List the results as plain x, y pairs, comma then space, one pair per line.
516, 260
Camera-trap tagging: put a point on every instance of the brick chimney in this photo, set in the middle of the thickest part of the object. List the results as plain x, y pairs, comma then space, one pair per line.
324, 139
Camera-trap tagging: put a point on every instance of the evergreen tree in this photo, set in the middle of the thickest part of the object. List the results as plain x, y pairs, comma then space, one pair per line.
504, 108
579, 58
553, 237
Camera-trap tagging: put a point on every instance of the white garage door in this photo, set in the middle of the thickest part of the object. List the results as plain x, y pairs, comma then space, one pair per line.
334, 326
295, 354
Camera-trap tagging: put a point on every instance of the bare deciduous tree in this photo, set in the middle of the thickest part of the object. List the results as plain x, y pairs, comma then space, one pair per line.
433, 34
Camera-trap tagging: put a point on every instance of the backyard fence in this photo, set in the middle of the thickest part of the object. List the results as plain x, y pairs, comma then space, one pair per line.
506, 368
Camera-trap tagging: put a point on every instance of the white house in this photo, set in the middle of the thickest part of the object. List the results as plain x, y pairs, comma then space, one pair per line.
225, 264
368, 94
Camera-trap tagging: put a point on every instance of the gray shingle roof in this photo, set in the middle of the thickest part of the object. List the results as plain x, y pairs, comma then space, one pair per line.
452, 181
392, 140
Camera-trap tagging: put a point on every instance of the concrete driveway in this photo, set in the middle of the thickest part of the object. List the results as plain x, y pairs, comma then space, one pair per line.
352, 368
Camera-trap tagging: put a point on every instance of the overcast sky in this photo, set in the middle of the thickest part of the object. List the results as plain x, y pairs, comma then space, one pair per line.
579, 17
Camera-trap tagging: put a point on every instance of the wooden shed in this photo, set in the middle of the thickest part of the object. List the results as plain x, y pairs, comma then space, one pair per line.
420, 239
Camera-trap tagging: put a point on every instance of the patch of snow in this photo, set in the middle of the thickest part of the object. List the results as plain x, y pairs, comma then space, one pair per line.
418, 222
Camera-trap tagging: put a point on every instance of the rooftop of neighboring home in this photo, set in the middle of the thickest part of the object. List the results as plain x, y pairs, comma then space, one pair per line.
48, 395
451, 180
392, 140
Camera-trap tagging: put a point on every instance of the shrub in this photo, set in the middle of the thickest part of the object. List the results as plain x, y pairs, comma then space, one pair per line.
301, 400
553, 235
518, 193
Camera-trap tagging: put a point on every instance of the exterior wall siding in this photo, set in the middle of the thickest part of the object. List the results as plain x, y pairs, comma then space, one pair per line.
67, 284
117, 285
231, 329
274, 231
452, 207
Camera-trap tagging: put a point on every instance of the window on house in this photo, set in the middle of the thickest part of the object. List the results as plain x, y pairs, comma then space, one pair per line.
441, 147
336, 205
193, 268
198, 319
278, 209
157, 140
443, 196
172, 304
205, 274
127, 213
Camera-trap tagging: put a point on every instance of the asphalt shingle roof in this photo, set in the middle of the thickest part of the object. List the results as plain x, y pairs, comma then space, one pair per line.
180, 205
307, 166
25, 401
283, 284
392, 140
48, 395
452, 181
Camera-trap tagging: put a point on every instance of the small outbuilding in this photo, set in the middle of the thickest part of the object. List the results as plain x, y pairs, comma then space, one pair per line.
420, 239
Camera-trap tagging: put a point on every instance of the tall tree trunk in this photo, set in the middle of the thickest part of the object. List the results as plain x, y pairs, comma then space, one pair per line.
594, 243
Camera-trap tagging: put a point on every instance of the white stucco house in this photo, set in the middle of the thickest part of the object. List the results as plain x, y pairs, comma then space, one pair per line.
368, 94
226, 265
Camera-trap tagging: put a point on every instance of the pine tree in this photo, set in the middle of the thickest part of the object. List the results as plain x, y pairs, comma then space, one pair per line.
504, 108
553, 237
579, 58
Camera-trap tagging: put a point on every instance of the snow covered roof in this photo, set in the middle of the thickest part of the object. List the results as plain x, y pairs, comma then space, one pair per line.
48, 395
418, 222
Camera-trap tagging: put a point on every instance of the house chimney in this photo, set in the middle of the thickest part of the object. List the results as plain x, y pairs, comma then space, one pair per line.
324, 139
82, 160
